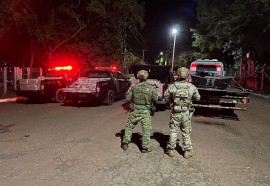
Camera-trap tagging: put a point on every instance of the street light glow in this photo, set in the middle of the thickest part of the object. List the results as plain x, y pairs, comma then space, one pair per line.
174, 31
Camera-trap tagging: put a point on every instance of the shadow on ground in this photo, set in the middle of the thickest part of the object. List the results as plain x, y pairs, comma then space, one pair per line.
213, 113
159, 137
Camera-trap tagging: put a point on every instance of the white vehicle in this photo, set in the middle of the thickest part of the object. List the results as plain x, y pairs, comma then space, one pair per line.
47, 87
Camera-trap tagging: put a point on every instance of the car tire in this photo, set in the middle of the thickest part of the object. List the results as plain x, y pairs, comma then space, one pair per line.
110, 98
59, 96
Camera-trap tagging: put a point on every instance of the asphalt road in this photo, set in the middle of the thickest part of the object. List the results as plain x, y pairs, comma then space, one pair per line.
50, 144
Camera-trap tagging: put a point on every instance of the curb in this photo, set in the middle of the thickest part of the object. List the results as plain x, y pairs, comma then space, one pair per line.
14, 99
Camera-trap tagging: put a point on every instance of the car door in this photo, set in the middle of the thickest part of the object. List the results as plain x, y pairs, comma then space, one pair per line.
123, 83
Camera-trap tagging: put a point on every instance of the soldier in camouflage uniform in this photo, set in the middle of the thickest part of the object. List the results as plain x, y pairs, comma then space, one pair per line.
141, 97
181, 94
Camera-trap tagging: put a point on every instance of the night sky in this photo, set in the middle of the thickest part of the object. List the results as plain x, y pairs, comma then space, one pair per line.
160, 17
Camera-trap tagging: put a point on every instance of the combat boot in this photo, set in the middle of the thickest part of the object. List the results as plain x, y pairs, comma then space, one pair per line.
188, 154
170, 152
124, 146
146, 150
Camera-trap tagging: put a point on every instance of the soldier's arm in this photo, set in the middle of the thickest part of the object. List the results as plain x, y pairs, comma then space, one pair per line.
155, 96
129, 95
168, 94
196, 95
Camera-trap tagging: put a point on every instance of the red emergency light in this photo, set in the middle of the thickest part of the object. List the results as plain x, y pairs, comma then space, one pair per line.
58, 68
114, 68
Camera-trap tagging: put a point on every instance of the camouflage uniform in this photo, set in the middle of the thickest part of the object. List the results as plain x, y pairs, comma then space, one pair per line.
181, 119
141, 97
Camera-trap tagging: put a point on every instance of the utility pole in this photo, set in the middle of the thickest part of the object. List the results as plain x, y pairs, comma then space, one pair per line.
5, 78
143, 55
174, 40
123, 47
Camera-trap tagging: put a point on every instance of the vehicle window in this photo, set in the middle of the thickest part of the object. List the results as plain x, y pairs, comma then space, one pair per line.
161, 73
120, 76
97, 74
114, 75
208, 68
56, 74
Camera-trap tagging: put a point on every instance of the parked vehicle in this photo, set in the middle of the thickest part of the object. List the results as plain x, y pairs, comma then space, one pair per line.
159, 75
102, 85
47, 87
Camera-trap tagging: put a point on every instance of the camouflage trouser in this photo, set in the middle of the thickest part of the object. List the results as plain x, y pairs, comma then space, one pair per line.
180, 120
144, 117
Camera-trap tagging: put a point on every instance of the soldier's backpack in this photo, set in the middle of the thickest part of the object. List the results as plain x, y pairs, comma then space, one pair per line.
181, 98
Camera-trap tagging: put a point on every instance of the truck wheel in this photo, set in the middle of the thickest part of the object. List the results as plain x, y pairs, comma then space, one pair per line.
110, 98
59, 96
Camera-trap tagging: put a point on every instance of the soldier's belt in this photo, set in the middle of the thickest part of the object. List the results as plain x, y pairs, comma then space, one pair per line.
131, 110
178, 109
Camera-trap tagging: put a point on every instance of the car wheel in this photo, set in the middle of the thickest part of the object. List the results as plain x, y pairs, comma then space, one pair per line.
110, 98
59, 96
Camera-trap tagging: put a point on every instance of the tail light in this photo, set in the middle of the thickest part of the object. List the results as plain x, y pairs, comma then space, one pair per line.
245, 100
193, 67
42, 85
98, 87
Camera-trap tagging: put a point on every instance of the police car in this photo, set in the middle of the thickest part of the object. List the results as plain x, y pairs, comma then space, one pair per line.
99, 84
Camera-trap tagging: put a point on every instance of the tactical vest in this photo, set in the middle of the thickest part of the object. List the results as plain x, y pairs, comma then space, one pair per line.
141, 94
181, 98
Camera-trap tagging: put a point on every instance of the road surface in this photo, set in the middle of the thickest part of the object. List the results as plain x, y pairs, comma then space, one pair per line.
51, 144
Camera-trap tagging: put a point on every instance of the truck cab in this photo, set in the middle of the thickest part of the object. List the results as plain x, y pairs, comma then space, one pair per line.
48, 86
99, 84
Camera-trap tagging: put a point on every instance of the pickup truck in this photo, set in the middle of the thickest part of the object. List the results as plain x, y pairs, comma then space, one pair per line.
97, 85
46, 87
159, 75
216, 94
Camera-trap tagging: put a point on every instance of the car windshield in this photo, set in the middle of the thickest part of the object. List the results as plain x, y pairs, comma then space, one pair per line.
61, 73
97, 74
208, 68
55, 74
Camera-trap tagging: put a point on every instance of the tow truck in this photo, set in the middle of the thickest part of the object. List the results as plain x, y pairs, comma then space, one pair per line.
97, 85
213, 85
48, 86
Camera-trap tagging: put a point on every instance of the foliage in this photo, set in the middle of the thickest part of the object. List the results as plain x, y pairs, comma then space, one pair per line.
93, 30
5, 15
232, 25
184, 59
131, 59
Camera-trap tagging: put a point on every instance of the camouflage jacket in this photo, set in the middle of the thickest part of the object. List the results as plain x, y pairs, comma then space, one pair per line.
142, 96
193, 91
